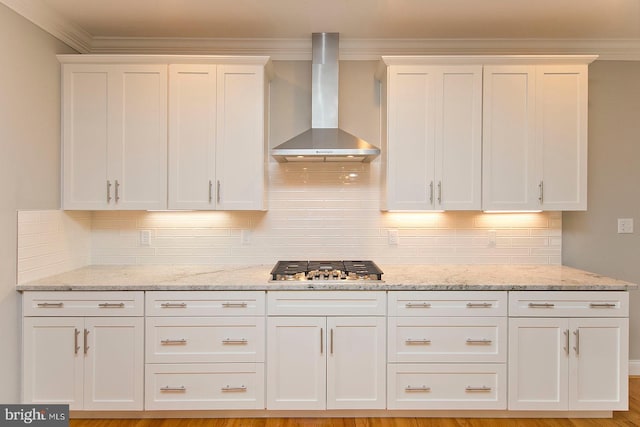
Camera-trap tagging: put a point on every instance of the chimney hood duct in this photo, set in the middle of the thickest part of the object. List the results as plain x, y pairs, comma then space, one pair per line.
325, 141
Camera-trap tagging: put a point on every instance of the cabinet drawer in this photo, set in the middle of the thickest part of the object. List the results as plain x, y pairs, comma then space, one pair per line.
83, 303
204, 386
321, 303
435, 303
447, 339
205, 303
447, 386
204, 339
569, 304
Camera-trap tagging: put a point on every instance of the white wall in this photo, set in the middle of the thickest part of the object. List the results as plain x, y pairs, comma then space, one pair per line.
590, 239
29, 165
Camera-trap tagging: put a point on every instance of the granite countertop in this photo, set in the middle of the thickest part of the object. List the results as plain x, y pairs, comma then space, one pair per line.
395, 277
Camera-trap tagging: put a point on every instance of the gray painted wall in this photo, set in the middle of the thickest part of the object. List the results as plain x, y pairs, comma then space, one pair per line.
589, 239
29, 161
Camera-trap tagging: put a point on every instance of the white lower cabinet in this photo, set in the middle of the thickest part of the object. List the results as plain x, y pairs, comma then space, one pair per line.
558, 361
89, 363
326, 362
204, 350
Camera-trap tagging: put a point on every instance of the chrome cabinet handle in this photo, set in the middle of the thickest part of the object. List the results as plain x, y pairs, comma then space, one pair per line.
234, 304
111, 305
173, 342
541, 192
439, 192
235, 341
86, 341
50, 305
602, 305
431, 193
168, 388
321, 341
108, 191
210, 191
417, 305
117, 187
479, 305
76, 347
541, 305
412, 341
419, 388
218, 196
566, 346
472, 388
173, 305
577, 347
479, 341
230, 388
331, 341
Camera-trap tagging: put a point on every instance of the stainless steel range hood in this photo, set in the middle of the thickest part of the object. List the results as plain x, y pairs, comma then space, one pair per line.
325, 141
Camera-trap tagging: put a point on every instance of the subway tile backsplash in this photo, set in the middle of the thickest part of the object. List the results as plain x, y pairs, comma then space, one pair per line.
320, 211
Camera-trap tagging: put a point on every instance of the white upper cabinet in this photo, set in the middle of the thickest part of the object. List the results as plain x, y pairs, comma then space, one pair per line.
535, 137
114, 136
433, 138
217, 137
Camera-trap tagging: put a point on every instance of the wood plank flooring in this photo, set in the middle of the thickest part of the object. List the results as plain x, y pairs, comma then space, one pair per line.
627, 419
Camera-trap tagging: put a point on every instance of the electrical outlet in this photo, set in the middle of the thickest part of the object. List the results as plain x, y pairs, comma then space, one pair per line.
393, 237
492, 238
625, 225
245, 236
145, 238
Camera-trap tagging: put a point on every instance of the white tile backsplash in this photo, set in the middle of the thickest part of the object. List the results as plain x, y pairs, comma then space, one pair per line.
316, 211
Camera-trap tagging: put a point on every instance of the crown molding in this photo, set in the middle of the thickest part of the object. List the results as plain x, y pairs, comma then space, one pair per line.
53, 23
370, 49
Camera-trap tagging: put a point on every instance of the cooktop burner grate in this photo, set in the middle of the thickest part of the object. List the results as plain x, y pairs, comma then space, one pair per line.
326, 270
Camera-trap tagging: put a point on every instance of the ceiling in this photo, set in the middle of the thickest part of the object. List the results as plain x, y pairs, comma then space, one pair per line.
116, 25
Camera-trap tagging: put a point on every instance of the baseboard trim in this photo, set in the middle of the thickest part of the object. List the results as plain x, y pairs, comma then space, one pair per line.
634, 367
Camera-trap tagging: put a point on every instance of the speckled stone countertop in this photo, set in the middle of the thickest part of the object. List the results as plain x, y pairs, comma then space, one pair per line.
395, 277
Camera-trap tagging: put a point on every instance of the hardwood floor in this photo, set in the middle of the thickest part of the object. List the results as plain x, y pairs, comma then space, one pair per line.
630, 419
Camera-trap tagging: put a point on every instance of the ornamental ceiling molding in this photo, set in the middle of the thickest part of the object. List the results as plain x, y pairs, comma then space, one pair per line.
300, 49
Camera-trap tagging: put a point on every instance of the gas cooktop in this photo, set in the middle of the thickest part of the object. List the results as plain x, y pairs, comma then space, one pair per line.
326, 270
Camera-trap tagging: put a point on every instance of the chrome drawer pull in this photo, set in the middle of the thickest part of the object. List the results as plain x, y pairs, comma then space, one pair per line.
417, 305
577, 347
412, 341
50, 305
111, 305
602, 305
483, 388
86, 341
479, 341
174, 342
234, 341
168, 388
173, 305
229, 388
479, 305
420, 388
541, 305
234, 304
76, 347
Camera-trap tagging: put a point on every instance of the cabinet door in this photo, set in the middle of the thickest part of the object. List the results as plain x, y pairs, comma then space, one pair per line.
458, 138
114, 363
240, 142
411, 138
356, 363
561, 123
509, 178
296, 363
598, 375
192, 136
538, 364
137, 149
53, 360
85, 134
